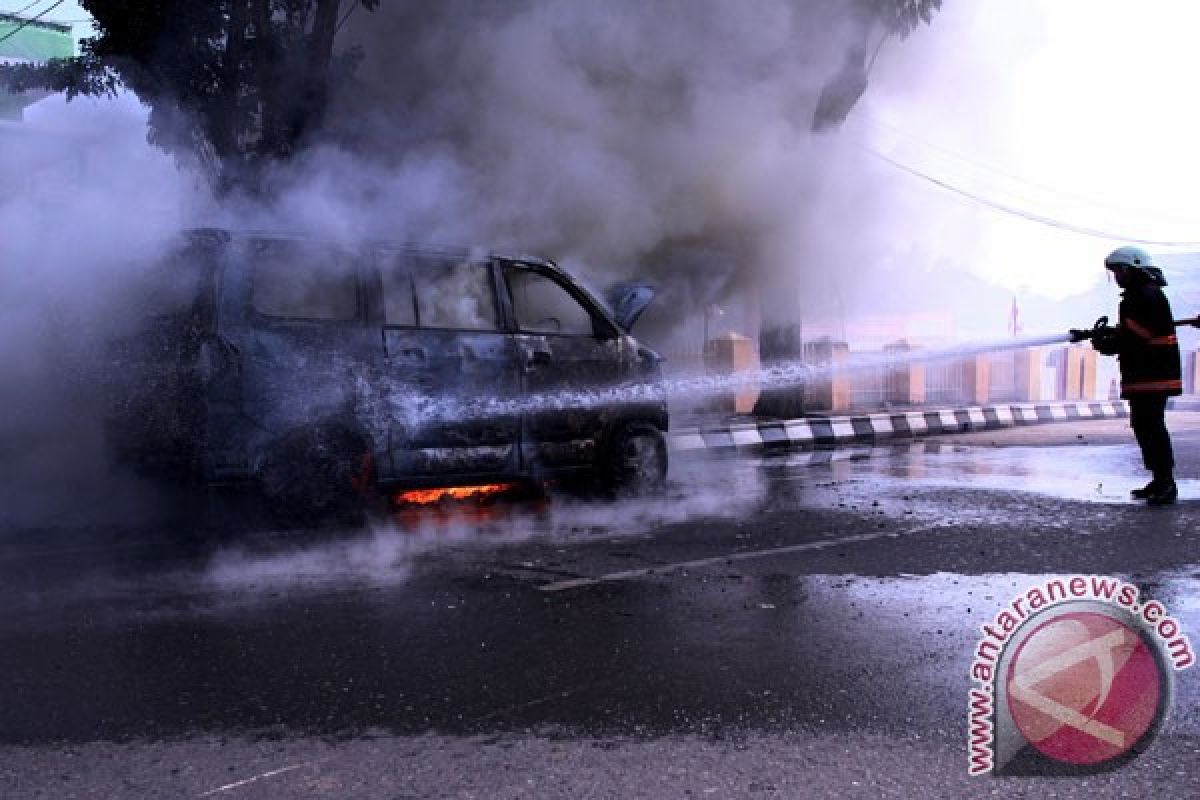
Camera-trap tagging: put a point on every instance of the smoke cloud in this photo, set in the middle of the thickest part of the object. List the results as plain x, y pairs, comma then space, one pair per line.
667, 140
86, 206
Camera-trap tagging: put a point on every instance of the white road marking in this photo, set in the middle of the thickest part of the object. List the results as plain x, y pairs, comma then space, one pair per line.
799, 432
842, 429
537, 701
252, 779
613, 577
686, 441
745, 436
882, 424
916, 422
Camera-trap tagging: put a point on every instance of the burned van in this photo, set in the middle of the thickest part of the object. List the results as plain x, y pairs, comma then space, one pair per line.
316, 371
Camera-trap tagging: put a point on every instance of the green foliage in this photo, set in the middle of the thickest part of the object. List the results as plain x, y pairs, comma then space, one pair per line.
846, 87
233, 84
74, 76
239, 84
901, 17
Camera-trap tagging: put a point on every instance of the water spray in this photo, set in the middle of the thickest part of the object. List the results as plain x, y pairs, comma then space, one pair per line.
427, 409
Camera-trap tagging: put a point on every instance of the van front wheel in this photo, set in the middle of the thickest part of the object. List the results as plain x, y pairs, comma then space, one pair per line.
636, 459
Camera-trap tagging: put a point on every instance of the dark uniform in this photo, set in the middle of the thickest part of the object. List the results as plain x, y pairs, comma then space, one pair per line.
1145, 344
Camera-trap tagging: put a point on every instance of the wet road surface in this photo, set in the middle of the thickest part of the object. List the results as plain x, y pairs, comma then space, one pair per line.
774, 627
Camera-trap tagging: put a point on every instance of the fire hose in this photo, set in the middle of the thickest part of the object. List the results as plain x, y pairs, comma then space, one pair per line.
1102, 329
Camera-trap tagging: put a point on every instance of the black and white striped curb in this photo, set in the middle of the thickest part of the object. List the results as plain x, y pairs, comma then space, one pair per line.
829, 431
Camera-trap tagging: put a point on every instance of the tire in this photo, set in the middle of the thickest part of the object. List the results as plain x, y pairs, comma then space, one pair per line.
635, 460
317, 476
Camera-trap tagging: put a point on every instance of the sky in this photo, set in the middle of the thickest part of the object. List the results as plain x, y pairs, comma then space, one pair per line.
1077, 110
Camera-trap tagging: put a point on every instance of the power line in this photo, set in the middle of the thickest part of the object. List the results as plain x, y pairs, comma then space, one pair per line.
1015, 179
30, 21
1022, 213
23, 10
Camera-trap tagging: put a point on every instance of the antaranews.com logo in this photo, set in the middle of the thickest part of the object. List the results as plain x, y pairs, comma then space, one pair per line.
1074, 675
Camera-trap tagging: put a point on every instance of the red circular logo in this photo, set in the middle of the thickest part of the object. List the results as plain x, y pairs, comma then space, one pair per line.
1084, 688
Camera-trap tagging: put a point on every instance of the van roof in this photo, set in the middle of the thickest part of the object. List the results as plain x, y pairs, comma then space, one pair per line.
457, 251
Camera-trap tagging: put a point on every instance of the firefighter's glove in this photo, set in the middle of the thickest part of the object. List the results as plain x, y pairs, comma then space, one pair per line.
1106, 341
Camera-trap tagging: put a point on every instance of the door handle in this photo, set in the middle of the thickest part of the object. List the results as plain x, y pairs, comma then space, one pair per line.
537, 358
415, 353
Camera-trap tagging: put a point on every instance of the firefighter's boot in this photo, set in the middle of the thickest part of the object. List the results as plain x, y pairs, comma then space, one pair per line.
1146, 491
1165, 492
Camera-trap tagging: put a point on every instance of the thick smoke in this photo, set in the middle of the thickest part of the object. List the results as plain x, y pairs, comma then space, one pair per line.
86, 206
668, 139
673, 140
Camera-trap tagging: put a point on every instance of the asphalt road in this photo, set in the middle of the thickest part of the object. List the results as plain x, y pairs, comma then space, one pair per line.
771, 628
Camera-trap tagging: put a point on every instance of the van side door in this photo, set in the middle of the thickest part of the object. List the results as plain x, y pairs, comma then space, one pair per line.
450, 369
302, 333
570, 358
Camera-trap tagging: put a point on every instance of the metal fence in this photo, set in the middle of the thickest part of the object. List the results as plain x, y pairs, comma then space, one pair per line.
1012, 377
871, 387
943, 382
1002, 378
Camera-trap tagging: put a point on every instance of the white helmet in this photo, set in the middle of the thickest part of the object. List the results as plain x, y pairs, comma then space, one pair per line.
1135, 258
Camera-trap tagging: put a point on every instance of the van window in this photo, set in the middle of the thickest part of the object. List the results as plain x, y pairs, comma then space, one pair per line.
399, 298
456, 295
303, 281
541, 305
183, 283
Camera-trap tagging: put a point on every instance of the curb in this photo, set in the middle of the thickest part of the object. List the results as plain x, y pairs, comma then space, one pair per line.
810, 432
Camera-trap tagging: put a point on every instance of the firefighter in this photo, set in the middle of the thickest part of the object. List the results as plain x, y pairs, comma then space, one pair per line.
1145, 345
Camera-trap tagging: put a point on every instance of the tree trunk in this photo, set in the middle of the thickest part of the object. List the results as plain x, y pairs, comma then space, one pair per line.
320, 40
315, 93
266, 61
780, 343
229, 124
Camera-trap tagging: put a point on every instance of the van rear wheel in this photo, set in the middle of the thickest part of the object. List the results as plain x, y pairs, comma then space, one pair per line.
317, 476
636, 459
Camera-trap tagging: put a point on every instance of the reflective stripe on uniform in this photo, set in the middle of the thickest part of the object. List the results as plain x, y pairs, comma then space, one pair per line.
1152, 386
1143, 333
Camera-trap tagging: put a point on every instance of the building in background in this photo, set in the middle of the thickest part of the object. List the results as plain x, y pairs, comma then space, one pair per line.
25, 40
